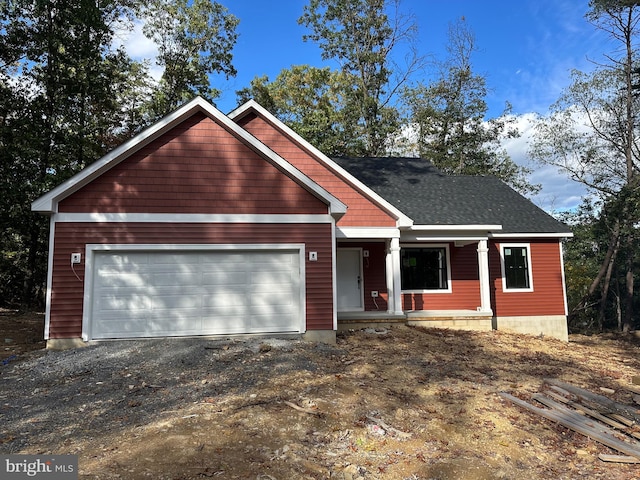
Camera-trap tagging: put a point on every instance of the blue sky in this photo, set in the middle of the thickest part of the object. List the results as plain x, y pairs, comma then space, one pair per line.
527, 49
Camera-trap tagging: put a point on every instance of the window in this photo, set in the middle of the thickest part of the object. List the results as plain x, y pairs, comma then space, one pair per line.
516, 267
424, 268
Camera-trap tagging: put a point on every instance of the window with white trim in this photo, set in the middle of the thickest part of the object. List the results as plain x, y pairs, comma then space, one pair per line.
516, 267
425, 268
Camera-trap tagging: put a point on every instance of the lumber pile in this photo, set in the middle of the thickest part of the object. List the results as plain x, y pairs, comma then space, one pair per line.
600, 418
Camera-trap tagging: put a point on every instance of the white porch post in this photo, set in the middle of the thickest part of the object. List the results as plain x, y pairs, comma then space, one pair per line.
393, 277
483, 270
389, 278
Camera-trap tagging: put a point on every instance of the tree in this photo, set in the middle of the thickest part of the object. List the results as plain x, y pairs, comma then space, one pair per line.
56, 75
361, 37
194, 39
591, 135
67, 95
450, 113
312, 102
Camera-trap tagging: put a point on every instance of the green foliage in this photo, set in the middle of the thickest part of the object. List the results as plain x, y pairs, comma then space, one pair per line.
360, 36
592, 135
450, 113
67, 95
194, 40
312, 102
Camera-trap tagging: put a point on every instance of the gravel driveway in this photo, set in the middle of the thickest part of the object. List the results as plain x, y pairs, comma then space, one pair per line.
54, 396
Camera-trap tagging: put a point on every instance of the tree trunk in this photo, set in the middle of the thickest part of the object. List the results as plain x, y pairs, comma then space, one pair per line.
605, 288
608, 259
627, 324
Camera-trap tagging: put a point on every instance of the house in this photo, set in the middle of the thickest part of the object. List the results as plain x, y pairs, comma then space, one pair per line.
213, 224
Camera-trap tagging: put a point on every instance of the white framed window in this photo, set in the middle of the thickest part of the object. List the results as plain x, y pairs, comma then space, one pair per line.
425, 268
515, 259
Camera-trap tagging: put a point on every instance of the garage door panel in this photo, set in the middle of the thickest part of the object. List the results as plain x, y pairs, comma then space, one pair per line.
129, 302
260, 323
224, 298
176, 302
138, 294
220, 278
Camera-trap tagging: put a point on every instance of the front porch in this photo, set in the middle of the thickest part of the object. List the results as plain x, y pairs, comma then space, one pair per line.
454, 319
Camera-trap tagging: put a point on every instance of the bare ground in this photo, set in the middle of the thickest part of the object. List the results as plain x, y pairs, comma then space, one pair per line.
402, 403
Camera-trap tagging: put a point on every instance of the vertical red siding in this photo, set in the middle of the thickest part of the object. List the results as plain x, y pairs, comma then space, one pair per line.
547, 297
197, 167
361, 212
67, 291
465, 285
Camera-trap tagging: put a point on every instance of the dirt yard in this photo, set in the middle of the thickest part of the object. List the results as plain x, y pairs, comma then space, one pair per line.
401, 403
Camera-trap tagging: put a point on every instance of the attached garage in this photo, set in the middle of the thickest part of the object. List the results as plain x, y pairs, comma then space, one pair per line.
190, 290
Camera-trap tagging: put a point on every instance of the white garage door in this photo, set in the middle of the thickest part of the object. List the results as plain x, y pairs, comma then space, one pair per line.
148, 294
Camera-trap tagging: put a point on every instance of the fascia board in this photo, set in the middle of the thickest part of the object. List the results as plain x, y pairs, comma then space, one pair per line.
48, 202
235, 115
531, 235
455, 228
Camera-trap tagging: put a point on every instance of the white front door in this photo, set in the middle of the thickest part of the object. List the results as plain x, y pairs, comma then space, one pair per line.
350, 283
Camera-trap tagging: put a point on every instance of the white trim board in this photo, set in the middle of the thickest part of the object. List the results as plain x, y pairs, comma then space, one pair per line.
187, 218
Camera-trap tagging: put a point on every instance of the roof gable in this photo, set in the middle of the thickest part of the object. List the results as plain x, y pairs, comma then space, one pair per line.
49, 201
195, 168
251, 107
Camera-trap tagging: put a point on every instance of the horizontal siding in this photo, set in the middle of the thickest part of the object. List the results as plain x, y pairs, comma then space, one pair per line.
465, 285
362, 212
547, 297
197, 167
67, 291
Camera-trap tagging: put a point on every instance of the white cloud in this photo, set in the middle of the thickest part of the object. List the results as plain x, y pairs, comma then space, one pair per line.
138, 46
558, 191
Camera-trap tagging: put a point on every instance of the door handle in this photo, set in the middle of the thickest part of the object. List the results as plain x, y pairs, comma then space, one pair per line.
358, 282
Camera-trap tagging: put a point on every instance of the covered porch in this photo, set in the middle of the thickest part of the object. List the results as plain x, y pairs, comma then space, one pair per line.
376, 268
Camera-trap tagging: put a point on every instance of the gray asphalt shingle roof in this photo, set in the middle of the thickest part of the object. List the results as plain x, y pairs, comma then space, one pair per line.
429, 197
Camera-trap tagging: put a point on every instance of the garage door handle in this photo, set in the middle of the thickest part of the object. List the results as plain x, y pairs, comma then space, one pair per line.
358, 282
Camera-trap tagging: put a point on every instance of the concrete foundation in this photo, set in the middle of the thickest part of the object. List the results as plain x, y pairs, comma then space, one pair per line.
458, 320
554, 326
478, 325
65, 343
322, 336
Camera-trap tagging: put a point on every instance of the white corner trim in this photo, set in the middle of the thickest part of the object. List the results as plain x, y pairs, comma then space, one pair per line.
564, 282
47, 314
49, 201
187, 218
402, 219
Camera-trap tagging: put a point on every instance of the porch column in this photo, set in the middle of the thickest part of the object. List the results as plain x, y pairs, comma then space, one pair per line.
483, 270
393, 277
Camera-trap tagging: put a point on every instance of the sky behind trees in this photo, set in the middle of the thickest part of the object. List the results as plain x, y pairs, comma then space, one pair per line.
526, 52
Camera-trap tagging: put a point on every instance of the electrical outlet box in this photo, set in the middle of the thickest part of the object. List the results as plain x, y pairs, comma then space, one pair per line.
313, 256
76, 258
365, 253
374, 293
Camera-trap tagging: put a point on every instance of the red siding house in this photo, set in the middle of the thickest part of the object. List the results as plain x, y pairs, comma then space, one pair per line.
213, 224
